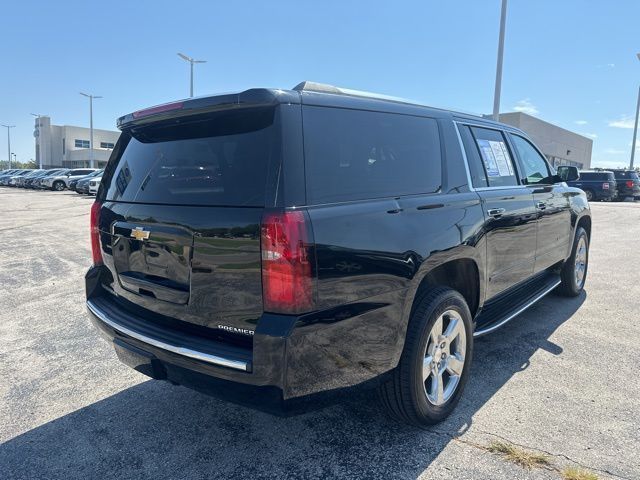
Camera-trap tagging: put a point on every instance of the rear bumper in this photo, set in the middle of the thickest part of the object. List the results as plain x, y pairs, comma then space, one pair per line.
293, 363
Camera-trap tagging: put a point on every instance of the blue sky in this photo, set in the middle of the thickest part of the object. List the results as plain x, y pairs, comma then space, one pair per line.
569, 62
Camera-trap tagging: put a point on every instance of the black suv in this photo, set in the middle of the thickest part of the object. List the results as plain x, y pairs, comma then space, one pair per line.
269, 245
628, 183
597, 185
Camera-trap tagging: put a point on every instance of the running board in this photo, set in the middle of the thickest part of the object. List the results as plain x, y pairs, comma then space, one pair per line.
498, 312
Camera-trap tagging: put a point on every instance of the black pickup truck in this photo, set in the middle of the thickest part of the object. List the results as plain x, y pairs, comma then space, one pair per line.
269, 245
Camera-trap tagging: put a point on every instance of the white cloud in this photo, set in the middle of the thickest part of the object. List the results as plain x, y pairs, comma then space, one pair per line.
623, 122
581, 122
525, 106
613, 151
590, 135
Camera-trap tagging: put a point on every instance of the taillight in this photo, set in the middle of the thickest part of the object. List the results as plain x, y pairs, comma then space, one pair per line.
629, 183
287, 262
605, 186
95, 234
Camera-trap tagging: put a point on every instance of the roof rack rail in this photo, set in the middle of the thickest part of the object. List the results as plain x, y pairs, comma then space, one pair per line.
308, 86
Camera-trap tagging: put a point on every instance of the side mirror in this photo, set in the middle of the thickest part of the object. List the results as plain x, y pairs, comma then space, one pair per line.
568, 174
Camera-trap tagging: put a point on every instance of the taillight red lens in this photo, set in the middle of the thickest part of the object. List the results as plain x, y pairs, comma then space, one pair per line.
287, 265
95, 234
629, 183
605, 186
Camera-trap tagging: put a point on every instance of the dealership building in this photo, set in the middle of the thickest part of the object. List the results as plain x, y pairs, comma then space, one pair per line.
68, 146
560, 146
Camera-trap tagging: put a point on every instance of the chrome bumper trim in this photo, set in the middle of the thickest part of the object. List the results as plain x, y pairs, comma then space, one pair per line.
187, 352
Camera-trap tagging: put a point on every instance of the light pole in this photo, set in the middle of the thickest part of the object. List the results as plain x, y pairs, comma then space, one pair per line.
496, 93
38, 154
635, 128
191, 62
9, 127
15, 157
90, 97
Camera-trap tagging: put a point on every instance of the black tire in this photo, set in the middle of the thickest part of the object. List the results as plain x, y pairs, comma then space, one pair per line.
58, 185
569, 285
404, 393
590, 195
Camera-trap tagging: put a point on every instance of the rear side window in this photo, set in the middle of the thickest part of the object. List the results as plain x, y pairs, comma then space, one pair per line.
220, 158
356, 155
496, 160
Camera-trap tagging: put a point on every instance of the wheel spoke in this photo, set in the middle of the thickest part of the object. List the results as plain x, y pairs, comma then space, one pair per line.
453, 329
436, 331
455, 365
426, 367
437, 388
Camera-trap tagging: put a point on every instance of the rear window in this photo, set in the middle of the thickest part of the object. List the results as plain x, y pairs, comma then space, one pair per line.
356, 155
218, 158
626, 175
606, 176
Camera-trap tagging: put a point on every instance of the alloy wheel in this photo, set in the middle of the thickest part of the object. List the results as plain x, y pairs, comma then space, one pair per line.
580, 266
444, 357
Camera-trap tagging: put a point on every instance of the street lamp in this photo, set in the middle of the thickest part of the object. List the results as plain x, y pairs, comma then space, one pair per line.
15, 157
90, 97
496, 93
191, 62
39, 153
635, 127
9, 127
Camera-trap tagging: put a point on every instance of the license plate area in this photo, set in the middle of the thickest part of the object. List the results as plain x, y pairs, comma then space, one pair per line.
153, 260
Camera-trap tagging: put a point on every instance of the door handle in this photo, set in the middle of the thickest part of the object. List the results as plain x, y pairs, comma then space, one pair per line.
496, 212
541, 205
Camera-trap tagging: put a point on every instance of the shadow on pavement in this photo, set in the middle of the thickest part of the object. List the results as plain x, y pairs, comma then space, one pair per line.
155, 430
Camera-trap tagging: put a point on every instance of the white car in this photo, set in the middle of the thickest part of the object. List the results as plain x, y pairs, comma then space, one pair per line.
61, 181
94, 184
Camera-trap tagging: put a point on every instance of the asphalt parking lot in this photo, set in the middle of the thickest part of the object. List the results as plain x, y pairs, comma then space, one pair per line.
561, 379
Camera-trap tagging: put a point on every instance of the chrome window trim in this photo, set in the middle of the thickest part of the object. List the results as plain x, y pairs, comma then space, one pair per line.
186, 352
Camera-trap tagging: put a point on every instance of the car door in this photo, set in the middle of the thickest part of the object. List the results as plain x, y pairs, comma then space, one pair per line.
552, 201
510, 215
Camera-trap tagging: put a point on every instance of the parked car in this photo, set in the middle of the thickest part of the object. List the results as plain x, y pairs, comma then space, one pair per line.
15, 178
597, 184
82, 184
94, 184
29, 181
37, 182
61, 181
21, 180
325, 244
628, 183
7, 174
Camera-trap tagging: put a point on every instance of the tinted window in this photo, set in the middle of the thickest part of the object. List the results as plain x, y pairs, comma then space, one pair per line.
476, 169
495, 156
217, 159
534, 166
626, 175
604, 176
355, 155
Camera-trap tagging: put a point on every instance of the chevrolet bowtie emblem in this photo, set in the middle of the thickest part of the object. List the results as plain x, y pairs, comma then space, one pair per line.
139, 233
